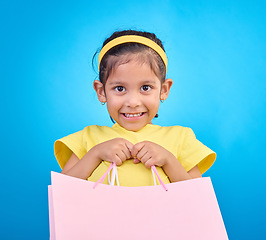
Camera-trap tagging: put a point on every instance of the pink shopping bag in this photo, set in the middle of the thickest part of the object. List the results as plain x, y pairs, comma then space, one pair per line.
187, 210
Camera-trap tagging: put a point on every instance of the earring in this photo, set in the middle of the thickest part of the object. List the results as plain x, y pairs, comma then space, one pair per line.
103, 103
162, 100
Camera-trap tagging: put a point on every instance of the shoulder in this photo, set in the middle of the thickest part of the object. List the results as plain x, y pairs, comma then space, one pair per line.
170, 135
85, 132
92, 129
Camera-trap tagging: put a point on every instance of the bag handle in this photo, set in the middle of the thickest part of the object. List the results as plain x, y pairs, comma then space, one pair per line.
115, 176
154, 170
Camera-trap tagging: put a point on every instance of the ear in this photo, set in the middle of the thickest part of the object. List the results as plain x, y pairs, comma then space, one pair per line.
99, 88
166, 89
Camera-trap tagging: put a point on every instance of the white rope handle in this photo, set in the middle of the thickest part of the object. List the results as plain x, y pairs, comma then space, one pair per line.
114, 176
154, 179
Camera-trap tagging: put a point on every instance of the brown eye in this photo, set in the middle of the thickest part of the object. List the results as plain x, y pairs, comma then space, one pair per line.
120, 89
145, 88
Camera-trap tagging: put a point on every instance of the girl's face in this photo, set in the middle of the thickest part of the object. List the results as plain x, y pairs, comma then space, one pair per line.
133, 94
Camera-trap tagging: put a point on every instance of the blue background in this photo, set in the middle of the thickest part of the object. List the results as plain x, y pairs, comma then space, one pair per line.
217, 59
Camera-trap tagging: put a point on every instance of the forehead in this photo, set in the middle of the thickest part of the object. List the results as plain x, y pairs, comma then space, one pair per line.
133, 72
141, 58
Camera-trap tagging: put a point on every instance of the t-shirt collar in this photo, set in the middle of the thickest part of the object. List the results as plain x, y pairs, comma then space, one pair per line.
145, 128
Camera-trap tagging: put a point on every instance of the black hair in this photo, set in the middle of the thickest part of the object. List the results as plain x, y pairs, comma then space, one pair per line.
143, 53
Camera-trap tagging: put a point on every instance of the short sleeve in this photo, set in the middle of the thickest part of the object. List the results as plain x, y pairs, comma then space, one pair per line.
73, 143
193, 153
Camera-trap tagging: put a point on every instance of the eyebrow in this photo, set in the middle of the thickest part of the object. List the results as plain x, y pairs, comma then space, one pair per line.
116, 83
148, 82
142, 82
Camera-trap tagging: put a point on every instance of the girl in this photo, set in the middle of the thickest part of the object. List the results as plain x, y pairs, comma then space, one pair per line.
132, 82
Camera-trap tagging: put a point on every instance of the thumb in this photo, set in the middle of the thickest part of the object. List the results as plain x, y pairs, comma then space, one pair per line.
136, 161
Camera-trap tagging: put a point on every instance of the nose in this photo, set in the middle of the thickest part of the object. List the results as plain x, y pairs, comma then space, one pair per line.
133, 100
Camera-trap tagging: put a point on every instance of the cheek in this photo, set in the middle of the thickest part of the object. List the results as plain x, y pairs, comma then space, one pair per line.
113, 104
154, 99
153, 102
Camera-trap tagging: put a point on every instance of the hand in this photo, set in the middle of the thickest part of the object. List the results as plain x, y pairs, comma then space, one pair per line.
150, 153
116, 150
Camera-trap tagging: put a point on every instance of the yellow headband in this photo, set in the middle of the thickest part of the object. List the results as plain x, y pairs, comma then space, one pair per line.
133, 38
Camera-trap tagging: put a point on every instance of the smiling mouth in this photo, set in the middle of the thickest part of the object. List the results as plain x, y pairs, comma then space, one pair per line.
132, 115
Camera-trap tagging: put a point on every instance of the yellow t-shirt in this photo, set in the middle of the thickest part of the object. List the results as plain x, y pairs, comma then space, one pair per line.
180, 141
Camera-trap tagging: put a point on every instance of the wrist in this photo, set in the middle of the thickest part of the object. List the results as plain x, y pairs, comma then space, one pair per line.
94, 155
170, 161
174, 170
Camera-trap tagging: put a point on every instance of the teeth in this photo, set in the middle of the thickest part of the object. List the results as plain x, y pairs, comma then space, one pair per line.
128, 115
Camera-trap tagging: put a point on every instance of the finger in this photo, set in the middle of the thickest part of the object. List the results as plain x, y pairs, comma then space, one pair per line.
121, 154
149, 163
136, 161
114, 159
117, 160
127, 155
142, 152
143, 155
126, 152
136, 148
129, 146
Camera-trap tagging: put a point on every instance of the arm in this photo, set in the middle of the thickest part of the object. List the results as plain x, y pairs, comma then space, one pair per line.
176, 172
151, 153
81, 168
118, 152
